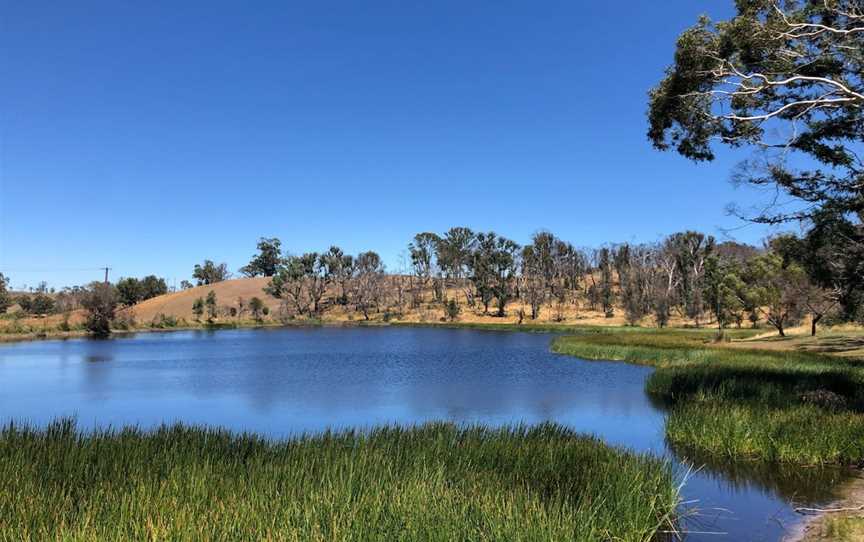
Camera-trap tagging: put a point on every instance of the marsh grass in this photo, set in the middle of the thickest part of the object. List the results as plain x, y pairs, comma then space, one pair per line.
430, 482
777, 406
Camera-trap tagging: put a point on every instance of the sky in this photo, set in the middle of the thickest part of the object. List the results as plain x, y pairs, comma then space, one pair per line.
148, 136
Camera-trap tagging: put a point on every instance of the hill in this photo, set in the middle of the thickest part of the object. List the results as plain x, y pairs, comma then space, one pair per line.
179, 304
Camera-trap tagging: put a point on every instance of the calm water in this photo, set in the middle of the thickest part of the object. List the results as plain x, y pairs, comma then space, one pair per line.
287, 381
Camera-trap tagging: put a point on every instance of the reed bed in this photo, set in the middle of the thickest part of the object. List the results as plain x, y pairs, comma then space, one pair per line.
431, 482
777, 406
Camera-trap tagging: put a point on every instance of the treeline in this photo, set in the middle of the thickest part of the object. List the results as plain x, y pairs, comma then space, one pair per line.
687, 275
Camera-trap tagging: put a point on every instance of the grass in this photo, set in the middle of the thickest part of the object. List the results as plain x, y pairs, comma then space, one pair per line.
838, 529
429, 482
776, 406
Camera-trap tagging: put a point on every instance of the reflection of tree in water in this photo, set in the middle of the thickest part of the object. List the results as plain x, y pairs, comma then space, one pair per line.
805, 485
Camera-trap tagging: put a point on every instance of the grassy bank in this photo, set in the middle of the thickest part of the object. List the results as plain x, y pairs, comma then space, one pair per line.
778, 406
431, 482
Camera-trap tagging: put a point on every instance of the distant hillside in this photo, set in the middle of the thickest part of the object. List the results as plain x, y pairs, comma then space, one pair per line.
179, 304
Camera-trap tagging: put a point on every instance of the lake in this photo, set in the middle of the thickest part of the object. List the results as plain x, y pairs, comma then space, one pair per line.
281, 382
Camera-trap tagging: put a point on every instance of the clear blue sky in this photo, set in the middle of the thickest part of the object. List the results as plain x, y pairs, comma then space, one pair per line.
150, 135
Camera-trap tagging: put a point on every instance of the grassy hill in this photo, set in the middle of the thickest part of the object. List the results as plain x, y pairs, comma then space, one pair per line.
179, 304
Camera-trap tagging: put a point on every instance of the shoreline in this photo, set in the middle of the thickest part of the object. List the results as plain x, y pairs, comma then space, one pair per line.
819, 525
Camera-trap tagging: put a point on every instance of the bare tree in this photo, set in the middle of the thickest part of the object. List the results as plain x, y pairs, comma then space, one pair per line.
367, 286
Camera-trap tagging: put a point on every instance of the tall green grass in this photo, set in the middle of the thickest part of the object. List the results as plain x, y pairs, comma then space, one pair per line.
430, 482
776, 406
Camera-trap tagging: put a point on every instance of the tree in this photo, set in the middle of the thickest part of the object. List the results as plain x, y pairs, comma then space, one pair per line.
267, 261
454, 252
774, 287
691, 249
5, 298
423, 263
99, 303
533, 284
636, 270
302, 280
368, 282
607, 294
340, 267
131, 290
210, 273
721, 286
256, 307
785, 79
152, 286
494, 269
198, 308
212, 307
185, 285
128, 291
452, 310
41, 304
822, 293
666, 282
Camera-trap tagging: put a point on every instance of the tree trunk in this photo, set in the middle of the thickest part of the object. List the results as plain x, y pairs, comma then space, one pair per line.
814, 320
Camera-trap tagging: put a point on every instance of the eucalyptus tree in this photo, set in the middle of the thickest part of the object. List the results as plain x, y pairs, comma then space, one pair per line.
423, 264
778, 77
99, 303
571, 266
774, 286
454, 252
368, 283
666, 282
210, 273
606, 287
722, 287
637, 265
289, 282
691, 249
256, 307
211, 305
340, 268
267, 261
532, 285
493, 270
823, 293
5, 298
786, 80
198, 308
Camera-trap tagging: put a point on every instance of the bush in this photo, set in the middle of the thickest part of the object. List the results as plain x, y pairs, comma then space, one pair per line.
452, 310
100, 303
163, 321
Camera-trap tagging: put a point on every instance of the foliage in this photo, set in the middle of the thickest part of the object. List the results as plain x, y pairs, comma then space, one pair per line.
452, 310
210, 273
41, 304
211, 305
198, 308
775, 78
99, 303
5, 297
131, 290
791, 406
256, 307
267, 261
369, 277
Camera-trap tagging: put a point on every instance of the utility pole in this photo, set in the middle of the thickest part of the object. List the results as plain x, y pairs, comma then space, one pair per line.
106, 269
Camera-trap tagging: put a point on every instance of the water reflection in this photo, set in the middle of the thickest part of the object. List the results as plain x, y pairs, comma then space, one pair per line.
793, 483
